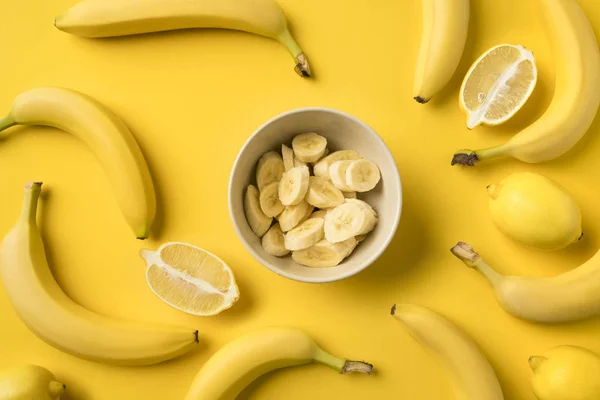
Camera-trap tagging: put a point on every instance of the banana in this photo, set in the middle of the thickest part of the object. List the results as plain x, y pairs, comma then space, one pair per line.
293, 186
321, 168
248, 357
288, 157
319, 214
576, 92
572, 296
27, 382
445, 28
273, 242
100, 18
322, 193
362, 176
309, 147
472, 375
293, 215
337, 174
269, 169
108, 138
52, 316
298, 163
305, 235
349, 195
360, 238
258, 221
269, 200
348, 220
325, 254
370, 211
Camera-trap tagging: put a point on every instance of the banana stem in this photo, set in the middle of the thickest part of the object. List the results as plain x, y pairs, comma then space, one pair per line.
6, 122
30, 202
302, 68
464, 252
469, 158
341, 365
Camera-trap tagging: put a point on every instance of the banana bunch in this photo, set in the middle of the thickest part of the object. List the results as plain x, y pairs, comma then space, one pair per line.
286, 191
108, 18
248, 357
52, 316
576, 92
572, 296
472, 376
29, 382
105, 134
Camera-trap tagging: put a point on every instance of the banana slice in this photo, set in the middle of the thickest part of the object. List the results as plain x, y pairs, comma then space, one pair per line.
319, 214
372, 214
349, 195
269, 169
348, 220
298, 163
324, 254
362, 176
288, 157
305, 235
322, 194
293, 186
359, 238
293, 215
325, 154
309, 147
337, 173
258, 221
322, 167
269, 200
273, 242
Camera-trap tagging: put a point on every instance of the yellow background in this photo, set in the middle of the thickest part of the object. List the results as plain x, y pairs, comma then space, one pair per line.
192, 99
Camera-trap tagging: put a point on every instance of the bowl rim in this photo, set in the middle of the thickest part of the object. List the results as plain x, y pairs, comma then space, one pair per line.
373, 257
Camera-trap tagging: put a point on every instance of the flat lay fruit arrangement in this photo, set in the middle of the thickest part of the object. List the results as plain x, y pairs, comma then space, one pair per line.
174, 187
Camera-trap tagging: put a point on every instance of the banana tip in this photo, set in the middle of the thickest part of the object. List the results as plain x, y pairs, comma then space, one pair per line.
421, 100
196, 336
393, 311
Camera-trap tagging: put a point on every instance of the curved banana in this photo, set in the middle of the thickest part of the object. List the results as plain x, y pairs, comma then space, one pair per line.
243, 360
571, 296
472, 375
105, 134
26, 382
576, 93
100, 18
52, 316
445, 28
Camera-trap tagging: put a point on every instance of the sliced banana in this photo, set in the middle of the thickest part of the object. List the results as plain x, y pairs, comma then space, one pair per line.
362, 176
298, 163
305, 235
325, 154
349, 195
319, 214
322, 193
273, 242
309, 147
293, 215
359, 238
324, 254
269, 200
337, 174
288, 157
321, 168
293, 186
258, 221
269, 169
346, 221
372, 214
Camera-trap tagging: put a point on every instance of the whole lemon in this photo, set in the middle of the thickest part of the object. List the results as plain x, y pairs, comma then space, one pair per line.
535, 211
566, 373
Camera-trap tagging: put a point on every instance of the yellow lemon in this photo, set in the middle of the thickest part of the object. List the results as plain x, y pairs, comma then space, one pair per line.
535, 211
28, 382
190, 279
498, 85
566, 373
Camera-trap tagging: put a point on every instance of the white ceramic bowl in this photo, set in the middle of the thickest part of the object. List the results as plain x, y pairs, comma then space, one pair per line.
343, 132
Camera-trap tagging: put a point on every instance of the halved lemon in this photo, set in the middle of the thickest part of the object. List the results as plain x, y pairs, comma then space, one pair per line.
190, 279
498, 85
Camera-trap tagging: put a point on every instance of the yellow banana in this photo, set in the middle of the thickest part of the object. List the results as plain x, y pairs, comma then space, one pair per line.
445, 28
106, 18
105, 134
241, 361
571, 296
472, 375
52, 316
576, 93
27, 382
